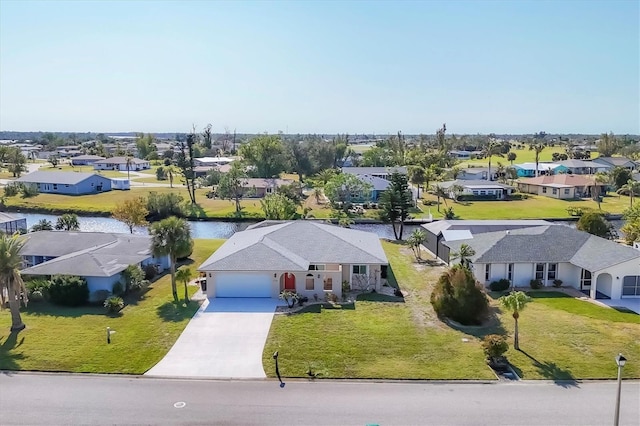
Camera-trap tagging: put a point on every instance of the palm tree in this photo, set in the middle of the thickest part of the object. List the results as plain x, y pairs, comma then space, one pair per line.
325, 175
184, 275
416, 174
170, 170
129, 163
511, 156
515, 302
169, 237
68, 222
599, 178
492, 148
538, 149
465, 253
317, 193
440, 193
429, 176
415, 240
632, 187
42, 225
11, 284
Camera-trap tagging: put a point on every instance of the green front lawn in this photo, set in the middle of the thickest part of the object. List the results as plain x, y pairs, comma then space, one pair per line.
74, 339
561, 337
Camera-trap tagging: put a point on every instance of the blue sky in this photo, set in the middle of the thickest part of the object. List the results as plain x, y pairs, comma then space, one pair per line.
321, 67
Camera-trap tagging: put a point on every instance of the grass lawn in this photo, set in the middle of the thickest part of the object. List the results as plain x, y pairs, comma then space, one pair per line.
561, 337
535, 207
74, 339
522, 156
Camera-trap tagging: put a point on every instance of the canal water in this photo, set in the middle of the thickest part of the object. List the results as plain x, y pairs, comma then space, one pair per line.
220, 229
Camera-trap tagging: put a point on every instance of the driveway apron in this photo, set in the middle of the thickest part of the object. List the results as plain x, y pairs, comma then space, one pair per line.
224, 339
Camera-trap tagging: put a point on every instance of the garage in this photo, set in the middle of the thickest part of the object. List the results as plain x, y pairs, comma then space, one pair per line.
242, 285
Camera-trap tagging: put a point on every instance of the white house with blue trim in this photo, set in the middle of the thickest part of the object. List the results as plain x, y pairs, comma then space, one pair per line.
68, 183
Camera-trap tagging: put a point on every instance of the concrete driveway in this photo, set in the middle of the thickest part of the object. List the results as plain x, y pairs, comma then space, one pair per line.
224, 339
631, 304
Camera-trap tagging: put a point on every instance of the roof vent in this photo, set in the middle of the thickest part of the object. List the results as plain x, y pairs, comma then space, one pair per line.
507, 232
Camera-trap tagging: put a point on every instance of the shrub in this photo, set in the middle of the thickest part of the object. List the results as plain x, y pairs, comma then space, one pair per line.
289, 297
459, 297
332, 297
161, 174
449, 213
345, 287
557, 283
185, 251
12, 190
29, 191
101, 295
150, 272
500, 285
494, 346
114, 304
535, 284
68, 290
37, 289
133, 278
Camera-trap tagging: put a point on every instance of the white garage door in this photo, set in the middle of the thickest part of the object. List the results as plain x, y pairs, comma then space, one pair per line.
243, 285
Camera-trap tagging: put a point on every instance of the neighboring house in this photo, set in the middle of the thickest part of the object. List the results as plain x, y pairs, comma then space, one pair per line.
460, 155
481, 189
616, 162
85, 160
120, 183
203, 170
306, 257
378, 186
593, 265
562, 186
529, 169
11, 223
583, 167
97, 257
380, 172
211, 161
441, 231
120, 163
261, 187
476, 173
68, 183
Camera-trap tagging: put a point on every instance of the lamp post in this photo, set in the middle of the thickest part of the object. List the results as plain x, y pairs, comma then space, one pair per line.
620, 361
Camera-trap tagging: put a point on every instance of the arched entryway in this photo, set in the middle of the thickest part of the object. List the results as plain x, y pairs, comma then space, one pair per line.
604, 284
287, 282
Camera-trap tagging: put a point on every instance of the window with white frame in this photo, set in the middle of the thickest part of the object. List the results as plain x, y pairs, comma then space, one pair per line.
510, 272
555, 191
360, 269
539, 271
552, 268
544, 189
328, 284
316, 267
487, 271
585, 279
631, 285
567, 191
308, 284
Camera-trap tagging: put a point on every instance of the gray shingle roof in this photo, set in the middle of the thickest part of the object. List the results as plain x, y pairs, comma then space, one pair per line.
293, 246
94, 254
376, 183
374, 170
551, 243
481, 226
120, 160
63, 178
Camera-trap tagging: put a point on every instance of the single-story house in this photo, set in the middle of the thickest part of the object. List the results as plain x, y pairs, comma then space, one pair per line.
11, 223
203, 170
598, 267
380, 172
211, 161
481, 189
120, 163
562, 186
261, 187
85, 160
120, 183
441, 231
477, 173
98, 257
306, 257
69, 183
378, 186
529, 169
616, 162
461, 154
582, 167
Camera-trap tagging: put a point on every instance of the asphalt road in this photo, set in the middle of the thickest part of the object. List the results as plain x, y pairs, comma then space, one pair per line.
60, 399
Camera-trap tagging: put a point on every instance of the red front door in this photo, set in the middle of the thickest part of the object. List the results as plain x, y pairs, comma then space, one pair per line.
289, 281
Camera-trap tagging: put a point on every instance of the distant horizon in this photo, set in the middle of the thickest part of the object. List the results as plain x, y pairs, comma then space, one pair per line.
323, 67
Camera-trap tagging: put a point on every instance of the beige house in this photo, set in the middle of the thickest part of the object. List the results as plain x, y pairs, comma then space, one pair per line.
562, 186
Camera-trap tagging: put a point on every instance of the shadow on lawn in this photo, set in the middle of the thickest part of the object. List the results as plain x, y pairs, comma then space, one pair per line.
551, 371
46, 308
176, 312
7, 358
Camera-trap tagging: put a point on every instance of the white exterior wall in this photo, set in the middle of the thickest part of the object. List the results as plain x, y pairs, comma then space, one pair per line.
617, 272
523, 273
101, 283
318, 284
211, 281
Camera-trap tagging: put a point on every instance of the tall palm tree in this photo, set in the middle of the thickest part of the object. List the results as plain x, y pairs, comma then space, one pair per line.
129, 163
317, 193
429, 176
465, 253
170, 170
515, 302
632, 187
538, 147
11, 283
492, 148
511, 157
184, 275
168, 238
440, 193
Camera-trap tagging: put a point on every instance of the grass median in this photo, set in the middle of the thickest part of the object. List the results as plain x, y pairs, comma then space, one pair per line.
74, 339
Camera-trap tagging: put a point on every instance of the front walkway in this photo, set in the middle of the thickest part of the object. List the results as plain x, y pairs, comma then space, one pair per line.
224, 339
631, 304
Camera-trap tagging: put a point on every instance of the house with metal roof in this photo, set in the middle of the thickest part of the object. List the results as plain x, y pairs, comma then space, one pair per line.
98, 257
11, 223
598, 267
68, 183
122, 164
306, 257
563, 186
